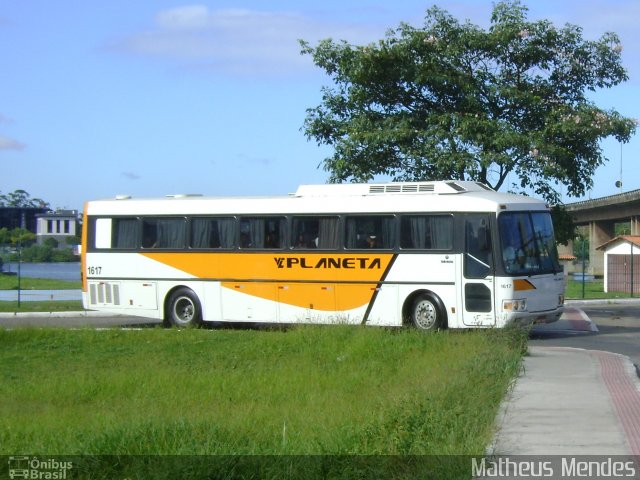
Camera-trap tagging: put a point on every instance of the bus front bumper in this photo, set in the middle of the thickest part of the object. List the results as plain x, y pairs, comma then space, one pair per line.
533, 318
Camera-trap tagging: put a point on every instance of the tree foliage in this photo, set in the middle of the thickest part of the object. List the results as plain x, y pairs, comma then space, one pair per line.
21, 198
46, 253
451, 100
16, 236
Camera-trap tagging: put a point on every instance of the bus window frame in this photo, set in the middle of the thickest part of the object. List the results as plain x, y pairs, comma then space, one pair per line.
91, 233
185, 233
236, 230
284, 244
339, 226
395, 230
453, 247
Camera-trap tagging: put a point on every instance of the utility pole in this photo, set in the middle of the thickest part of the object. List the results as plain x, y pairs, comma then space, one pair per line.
584, 261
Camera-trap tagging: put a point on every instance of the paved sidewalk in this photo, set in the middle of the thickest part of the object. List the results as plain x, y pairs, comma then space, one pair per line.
570, 401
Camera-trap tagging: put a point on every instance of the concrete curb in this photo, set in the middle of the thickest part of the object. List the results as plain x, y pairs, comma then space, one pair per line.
602, 301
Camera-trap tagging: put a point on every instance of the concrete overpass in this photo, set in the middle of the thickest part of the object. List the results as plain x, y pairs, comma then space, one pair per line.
600, 216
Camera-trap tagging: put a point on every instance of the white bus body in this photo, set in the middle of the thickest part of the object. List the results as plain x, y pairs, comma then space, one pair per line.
433, 254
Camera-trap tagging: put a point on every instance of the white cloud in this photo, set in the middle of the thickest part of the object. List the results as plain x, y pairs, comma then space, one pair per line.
188, 17
238, 41
251, 42
7, 143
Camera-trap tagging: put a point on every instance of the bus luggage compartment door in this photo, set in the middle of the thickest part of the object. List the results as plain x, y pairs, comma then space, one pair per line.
249, 301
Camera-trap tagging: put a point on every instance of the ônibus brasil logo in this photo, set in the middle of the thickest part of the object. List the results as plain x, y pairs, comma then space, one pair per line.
38, 468
329, 262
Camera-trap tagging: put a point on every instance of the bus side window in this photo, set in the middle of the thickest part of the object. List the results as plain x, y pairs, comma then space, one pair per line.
426, 232
371, 232
315, 232
163, 232
126, 233
211, 232
262, 232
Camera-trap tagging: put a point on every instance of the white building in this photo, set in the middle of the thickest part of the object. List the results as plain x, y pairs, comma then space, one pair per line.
61, 225
622, 264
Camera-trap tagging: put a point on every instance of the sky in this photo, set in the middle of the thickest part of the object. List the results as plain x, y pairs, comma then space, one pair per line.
158, 97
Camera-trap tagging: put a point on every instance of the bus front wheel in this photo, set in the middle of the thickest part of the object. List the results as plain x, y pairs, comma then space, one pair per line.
183, 309
426, 313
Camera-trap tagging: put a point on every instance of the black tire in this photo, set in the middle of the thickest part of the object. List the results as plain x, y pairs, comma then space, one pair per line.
183, 309
426, 313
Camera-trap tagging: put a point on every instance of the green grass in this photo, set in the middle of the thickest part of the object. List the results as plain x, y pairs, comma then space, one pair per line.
42, 306
10, 282
325, 395
592, 290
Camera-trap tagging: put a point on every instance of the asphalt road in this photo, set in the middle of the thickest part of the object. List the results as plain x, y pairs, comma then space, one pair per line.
618, 330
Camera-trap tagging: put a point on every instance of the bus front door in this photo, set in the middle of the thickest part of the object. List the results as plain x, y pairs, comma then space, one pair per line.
478, 272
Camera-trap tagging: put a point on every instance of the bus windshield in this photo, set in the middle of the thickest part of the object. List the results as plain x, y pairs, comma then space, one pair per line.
528, 243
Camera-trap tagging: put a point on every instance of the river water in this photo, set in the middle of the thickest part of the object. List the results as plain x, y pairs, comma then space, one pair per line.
59, 270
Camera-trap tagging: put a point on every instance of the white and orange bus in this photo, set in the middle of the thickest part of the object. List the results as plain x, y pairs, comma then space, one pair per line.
429, 254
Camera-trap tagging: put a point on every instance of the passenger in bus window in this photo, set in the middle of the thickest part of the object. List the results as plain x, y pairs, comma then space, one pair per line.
271, 241
371, 241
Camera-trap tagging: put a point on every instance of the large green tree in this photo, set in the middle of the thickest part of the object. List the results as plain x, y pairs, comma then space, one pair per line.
21, 198
451, 100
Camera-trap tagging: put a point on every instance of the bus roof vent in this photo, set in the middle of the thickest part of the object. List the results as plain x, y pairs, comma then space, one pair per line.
484, 186
123, 197
457, 187
363, 189
184, 195
412, 187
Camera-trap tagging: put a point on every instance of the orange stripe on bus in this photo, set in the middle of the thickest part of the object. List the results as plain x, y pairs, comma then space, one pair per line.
285, 277
341, 267
83, 252
312, 296
521, 285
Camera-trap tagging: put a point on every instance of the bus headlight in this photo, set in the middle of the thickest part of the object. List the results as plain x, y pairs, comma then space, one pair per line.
514, 305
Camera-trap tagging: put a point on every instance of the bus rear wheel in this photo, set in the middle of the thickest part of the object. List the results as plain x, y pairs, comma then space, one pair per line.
183, 309
426, 313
